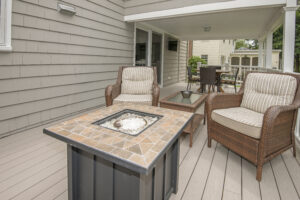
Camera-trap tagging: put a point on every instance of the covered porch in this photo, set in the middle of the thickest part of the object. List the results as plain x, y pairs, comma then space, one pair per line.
34, 166
224, 20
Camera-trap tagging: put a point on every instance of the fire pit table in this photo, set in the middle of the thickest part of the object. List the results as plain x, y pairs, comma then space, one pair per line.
123, 151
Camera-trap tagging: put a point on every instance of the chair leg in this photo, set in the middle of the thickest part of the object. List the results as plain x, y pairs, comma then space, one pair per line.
209, 142
258, 172
294, 150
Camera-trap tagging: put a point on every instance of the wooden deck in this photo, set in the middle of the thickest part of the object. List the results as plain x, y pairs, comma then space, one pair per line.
33, 166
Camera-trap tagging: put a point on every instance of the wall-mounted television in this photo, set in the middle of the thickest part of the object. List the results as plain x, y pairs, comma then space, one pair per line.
172, 44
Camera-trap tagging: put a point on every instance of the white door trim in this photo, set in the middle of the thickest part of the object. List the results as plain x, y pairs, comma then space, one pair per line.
149, 30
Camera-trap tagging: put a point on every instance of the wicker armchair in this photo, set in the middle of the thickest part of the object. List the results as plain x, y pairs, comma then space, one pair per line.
258, 122
134, 84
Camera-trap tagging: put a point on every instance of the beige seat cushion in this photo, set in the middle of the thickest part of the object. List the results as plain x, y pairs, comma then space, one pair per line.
137, 80
141, 99
263, 90
240, 119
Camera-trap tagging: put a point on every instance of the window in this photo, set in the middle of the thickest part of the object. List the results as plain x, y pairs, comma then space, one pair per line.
246, 61
205, 57
5, 25
235, 61
255, 61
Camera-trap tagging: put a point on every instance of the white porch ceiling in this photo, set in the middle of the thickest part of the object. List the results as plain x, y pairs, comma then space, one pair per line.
244, 23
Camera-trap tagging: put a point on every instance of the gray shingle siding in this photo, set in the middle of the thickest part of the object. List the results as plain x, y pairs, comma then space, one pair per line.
60, 64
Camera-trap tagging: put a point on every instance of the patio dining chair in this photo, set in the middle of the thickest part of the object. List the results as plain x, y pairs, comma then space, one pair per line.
134, 84
191, 78
231, 79
258, 122
208, 77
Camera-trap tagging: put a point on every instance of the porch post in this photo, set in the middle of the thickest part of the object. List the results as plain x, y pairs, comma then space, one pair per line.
269, 49
289, 29
149, 48
260, 53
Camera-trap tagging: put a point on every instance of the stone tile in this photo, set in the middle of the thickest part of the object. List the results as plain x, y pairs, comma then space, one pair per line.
104, 147
159, 146
145, 147
77, 138
138, 159
122, 153
64, 133
149, 156
135, 149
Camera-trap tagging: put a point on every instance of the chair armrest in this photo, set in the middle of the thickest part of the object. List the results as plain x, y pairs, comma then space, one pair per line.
276, 115
111, 92
220, 101
278, 128
155, 95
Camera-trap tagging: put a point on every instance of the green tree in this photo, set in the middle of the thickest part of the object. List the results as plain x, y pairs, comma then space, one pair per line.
253, 44
193, 62
246, 43
240, 44
278, 41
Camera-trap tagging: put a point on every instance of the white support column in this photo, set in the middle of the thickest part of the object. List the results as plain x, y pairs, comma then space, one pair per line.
289, 29
134, 44
149, 59
260, 53
269, 49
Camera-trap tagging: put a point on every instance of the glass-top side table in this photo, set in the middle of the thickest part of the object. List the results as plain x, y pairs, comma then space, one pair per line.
176, 102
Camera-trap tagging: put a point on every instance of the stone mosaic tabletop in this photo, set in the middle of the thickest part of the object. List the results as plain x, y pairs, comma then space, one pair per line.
141, 150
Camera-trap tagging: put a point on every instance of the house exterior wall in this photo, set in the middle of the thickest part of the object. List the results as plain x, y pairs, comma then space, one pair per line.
60, 64
141, 6
171, 67
215, 49
226, 48
183, 53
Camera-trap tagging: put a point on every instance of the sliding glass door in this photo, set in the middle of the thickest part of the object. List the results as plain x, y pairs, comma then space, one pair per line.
149, 50
157, 54
141, 48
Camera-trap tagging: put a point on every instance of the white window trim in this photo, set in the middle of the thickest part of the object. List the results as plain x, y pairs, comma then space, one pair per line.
6, 46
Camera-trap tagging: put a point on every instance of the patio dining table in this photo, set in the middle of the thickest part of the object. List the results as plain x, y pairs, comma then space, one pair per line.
219, 72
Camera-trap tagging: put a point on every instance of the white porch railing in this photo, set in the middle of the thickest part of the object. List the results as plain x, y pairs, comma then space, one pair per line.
244, 69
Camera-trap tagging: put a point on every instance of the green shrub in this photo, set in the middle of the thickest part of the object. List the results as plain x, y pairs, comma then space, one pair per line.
193, 63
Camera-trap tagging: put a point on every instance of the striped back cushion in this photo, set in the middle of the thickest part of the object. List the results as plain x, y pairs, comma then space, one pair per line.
137, 80
263, 90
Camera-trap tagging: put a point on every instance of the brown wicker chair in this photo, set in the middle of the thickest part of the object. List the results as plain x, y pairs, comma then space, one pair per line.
276, 133
113, 92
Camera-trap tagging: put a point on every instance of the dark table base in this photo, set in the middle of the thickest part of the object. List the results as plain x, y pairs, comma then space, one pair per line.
91, 177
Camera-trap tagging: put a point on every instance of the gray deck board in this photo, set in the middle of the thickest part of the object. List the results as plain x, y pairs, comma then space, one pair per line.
33, 166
